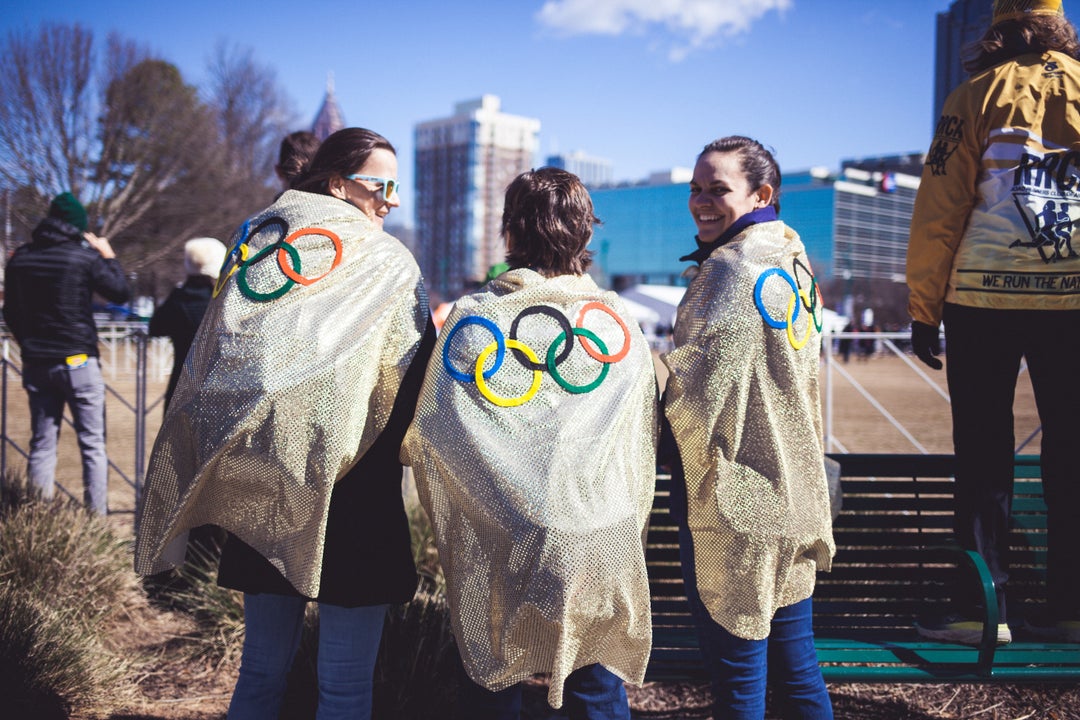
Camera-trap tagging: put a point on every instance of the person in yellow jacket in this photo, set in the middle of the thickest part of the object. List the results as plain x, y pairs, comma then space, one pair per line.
992, 255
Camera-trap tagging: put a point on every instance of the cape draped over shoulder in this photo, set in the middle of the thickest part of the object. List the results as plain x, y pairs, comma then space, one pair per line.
291, 377
539, 508
743, 403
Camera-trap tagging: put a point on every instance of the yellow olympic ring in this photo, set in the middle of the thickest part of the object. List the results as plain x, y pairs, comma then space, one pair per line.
220, 284
796, 343
481, 384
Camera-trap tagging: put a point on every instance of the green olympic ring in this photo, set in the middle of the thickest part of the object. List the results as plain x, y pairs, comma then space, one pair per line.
241, 276
551, 362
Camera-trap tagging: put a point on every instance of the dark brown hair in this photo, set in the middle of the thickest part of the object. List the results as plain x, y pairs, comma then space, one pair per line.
341, 154
547, 222
756, 161
1008, 39
296, 151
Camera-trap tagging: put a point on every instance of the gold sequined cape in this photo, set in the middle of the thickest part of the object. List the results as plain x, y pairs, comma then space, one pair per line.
280, 397
744, 407
539, 509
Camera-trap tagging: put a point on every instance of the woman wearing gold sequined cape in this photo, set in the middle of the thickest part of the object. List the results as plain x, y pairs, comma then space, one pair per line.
742, 401
278, 400
536, 465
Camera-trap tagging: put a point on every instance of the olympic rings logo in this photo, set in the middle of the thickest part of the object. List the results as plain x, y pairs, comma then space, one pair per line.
810, 299
238, 263
557, 352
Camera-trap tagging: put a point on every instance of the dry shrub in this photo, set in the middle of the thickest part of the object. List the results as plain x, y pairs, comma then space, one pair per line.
65, 580
418, 667
425, 552
219, 611
51, 664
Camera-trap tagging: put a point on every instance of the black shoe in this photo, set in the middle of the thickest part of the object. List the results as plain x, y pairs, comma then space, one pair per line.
959, 629
1059, 630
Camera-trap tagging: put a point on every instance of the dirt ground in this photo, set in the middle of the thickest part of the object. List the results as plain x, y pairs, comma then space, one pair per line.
170, 688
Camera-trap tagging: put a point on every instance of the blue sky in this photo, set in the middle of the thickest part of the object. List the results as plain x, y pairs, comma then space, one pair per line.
645, 83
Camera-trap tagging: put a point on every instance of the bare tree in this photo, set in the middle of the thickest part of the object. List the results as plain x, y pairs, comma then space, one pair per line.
154, 134
117, 144
249, 114
253, 113
47, 110
153, 162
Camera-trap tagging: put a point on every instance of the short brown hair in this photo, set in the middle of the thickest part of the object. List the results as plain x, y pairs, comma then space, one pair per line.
1011, 38
547, 222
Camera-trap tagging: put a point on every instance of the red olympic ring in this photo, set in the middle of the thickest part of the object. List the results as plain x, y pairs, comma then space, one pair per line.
587, 344
286, 267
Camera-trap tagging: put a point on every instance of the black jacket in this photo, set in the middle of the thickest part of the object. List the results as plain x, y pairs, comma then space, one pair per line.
178, 318
48, 285
367, 558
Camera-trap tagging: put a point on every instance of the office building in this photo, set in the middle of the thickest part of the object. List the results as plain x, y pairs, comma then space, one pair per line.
463, 165
593, 171
962, 24
872, 216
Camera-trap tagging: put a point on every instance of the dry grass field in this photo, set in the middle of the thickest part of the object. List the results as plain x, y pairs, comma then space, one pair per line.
176, 692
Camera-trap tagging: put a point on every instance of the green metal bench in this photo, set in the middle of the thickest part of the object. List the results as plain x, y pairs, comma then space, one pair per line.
894, 561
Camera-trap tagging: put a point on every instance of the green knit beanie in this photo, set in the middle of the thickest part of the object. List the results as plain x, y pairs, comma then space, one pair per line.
65, 207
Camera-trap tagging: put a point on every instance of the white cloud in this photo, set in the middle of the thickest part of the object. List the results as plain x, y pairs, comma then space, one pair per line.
693, 22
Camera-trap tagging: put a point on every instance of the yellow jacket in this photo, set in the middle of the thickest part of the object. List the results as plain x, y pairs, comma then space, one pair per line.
999, 202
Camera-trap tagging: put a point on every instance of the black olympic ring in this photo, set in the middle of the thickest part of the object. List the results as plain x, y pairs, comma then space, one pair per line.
551, 312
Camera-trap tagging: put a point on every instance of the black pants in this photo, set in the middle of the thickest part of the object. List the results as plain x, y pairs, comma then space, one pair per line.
984, 348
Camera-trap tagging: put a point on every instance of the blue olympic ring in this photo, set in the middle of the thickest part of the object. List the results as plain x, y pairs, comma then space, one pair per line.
760, 303
798, 297
500, 353
234, 254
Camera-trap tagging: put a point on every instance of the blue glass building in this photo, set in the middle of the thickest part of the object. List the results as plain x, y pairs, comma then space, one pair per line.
646, 228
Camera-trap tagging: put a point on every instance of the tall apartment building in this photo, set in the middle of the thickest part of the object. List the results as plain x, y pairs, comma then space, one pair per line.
959, 26
463, 165
593, 171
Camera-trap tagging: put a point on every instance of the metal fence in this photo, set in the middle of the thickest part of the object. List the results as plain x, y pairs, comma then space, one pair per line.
127, 354
132, 359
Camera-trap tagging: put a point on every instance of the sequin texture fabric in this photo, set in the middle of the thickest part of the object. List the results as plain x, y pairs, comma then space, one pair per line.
742, 399
283, 390
539, 506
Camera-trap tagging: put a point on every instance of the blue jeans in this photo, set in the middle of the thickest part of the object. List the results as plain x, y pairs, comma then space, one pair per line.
348, 644
590, 693
740, 668
50, 387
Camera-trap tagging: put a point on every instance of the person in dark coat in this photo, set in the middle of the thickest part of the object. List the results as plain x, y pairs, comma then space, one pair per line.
49, 285
179, 316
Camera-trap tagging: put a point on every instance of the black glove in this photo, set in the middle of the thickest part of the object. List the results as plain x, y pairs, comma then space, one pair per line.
925, 343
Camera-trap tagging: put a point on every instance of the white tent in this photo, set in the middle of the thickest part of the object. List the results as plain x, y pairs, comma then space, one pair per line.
643, 314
